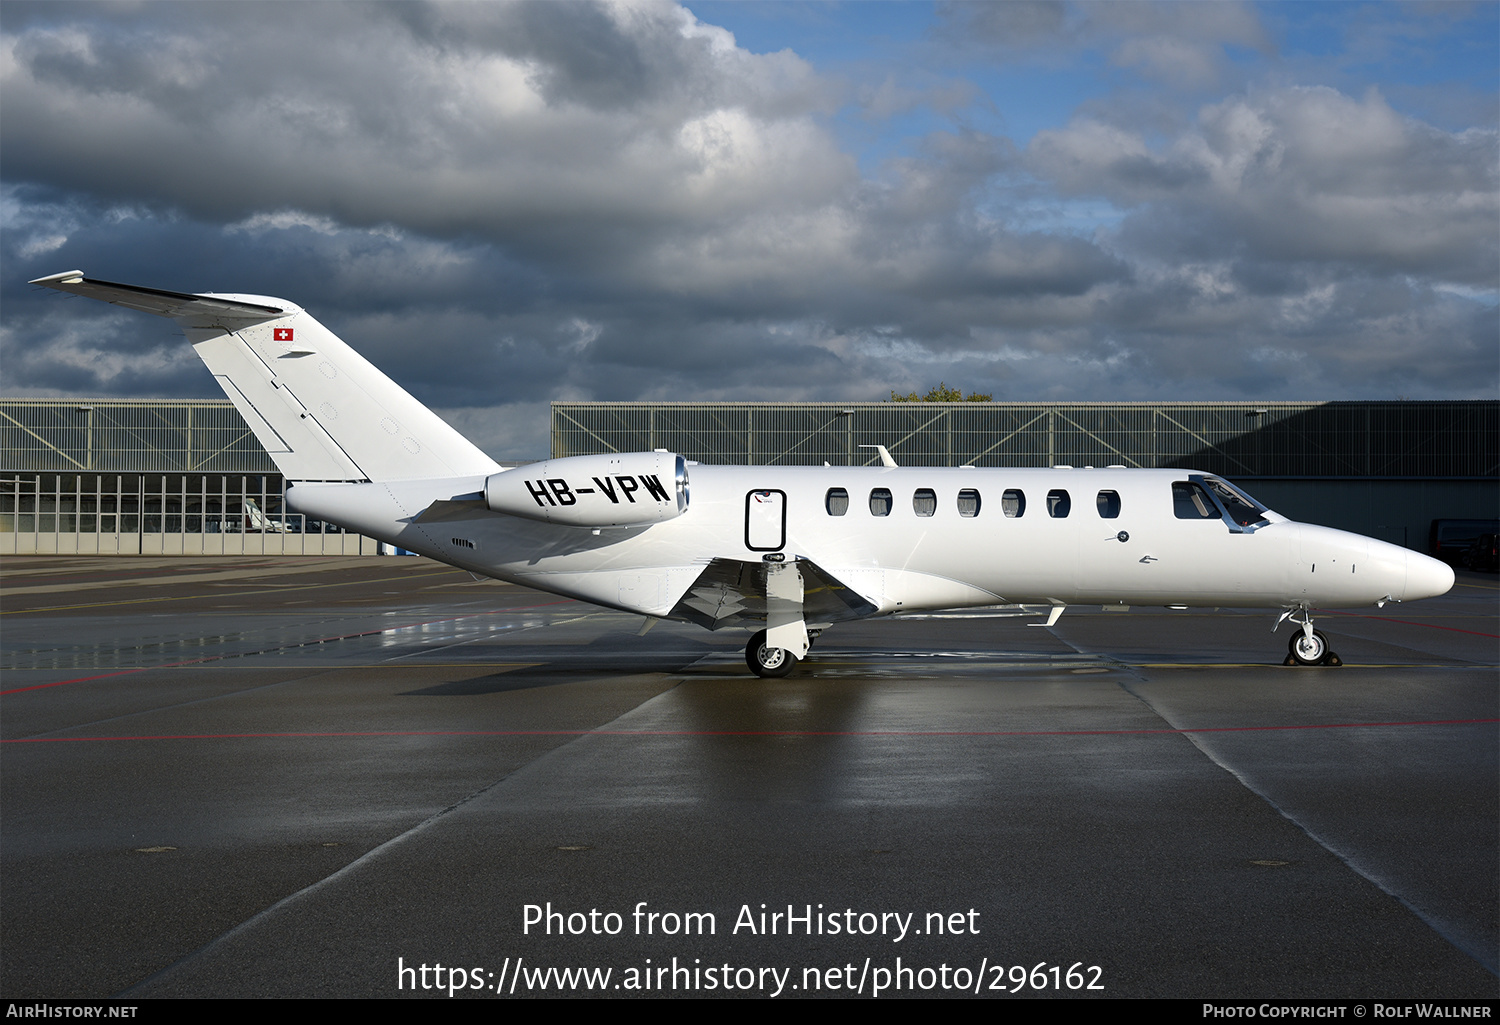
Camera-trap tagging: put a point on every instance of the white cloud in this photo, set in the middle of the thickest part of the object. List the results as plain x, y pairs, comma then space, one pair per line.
1296, 174
617, 201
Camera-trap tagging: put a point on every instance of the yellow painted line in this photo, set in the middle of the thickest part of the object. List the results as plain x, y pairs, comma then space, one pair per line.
204, 597
405, 667
245, 573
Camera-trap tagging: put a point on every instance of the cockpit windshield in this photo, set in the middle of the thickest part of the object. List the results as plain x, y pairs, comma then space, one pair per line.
1242, 509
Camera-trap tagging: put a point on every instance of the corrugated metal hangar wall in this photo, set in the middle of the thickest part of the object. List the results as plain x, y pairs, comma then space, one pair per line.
1384, 469
188, 477
146, 478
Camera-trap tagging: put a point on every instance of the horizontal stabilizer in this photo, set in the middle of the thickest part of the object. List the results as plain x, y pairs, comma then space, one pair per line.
207, 310
321, 410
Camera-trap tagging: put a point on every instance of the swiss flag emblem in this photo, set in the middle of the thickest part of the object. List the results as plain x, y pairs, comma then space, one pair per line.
283, 334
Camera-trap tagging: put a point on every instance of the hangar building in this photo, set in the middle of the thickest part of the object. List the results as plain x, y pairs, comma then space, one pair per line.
1383, 469
106, 477
188, 477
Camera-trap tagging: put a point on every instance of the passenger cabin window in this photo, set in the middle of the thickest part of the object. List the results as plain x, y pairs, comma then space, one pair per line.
924, 502
1013, 503
1058, 503
880, 502
1191, 502
968, 502
1109, 505
836, 501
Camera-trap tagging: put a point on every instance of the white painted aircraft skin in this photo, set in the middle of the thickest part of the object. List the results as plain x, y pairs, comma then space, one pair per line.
754, 545
901, 561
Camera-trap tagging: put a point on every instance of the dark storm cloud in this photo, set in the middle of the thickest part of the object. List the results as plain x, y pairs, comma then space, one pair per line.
502, 204
608, 117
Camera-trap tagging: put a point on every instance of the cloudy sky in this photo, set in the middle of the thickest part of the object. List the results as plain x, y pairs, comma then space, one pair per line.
505, 204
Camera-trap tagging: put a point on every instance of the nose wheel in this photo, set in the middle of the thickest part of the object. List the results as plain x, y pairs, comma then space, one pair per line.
766, 661
1308, 647
1308, 650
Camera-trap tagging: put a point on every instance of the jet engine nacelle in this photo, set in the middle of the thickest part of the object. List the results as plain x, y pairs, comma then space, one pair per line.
620, 490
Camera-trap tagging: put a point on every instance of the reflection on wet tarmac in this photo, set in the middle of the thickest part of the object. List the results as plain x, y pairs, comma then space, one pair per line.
408, 768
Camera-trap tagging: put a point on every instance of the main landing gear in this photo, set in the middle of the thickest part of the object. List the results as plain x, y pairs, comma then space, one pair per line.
772, 662
764, 661
1308, 647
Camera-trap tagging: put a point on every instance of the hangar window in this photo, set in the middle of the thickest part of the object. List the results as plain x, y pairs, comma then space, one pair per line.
1013, 503
836, 501
880, 502
1191, 502
1109, 505
1058, 503
924, 502
968, 502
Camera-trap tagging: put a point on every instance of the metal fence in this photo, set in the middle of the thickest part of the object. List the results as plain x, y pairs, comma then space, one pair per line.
1286, 439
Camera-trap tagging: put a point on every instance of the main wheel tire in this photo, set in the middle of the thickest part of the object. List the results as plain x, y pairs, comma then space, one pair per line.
1308, 651
764, 661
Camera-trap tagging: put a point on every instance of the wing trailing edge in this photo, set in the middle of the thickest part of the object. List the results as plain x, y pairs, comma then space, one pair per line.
733, 593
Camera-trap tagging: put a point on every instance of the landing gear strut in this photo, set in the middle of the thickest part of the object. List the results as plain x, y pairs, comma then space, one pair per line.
764, 661
1308, 647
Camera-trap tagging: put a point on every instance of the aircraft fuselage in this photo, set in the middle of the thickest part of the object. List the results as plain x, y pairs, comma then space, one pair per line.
904, 541
792, 549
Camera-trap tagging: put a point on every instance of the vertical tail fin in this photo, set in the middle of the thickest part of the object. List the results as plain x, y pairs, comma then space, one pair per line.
322, 411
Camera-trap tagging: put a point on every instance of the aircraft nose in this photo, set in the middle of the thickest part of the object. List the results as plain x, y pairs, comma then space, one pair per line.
1426, 577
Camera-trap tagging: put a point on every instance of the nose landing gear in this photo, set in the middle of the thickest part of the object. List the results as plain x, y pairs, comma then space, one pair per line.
1308, 647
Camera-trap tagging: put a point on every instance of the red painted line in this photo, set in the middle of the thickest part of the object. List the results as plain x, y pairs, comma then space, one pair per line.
283, 647
1407, 622
746, 733
81, 679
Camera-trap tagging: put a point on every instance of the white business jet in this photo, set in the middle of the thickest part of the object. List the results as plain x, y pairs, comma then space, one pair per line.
784, 551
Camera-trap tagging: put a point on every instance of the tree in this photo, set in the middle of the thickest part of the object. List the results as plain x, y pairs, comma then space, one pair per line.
943, 393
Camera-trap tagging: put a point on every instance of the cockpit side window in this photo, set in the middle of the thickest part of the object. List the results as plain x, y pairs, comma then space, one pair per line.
1244, 510
1191, 502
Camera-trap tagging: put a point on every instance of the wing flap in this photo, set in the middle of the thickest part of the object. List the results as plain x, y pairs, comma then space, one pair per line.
730, 592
